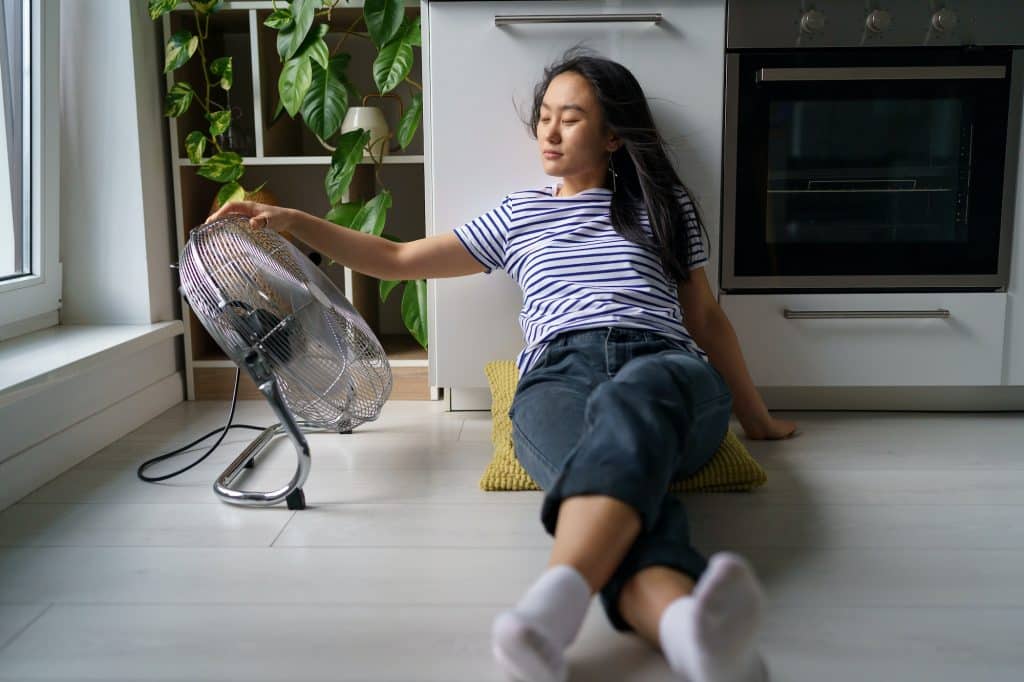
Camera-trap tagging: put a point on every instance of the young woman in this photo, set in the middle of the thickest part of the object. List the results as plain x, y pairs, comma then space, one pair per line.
627, 381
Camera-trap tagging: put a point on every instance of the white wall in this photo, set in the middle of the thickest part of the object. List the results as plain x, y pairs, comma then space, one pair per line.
116, 244
117, 220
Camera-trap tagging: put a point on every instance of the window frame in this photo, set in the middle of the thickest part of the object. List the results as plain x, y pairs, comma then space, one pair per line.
38, 295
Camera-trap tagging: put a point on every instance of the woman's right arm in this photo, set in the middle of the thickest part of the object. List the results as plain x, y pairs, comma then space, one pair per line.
428, 258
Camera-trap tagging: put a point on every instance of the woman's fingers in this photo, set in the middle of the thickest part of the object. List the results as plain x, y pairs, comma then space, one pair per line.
260, 215
247, 208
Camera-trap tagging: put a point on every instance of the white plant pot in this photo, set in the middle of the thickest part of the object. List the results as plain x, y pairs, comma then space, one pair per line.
371, 119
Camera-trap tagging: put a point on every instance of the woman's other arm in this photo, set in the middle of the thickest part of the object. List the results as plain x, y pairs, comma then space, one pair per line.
711, 329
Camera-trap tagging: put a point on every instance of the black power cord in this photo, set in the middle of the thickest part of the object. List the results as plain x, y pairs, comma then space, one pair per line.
150, 462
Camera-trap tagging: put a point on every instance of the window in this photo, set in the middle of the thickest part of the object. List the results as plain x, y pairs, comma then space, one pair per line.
15, 237
29, 164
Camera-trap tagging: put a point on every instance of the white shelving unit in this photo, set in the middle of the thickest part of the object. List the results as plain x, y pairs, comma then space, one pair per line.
291, 161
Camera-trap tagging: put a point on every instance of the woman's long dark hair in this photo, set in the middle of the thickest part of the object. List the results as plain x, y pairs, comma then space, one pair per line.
644, 175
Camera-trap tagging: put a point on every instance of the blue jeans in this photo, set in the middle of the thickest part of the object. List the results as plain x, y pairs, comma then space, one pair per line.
623, 413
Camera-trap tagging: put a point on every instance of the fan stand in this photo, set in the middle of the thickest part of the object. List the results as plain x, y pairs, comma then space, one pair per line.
291, 493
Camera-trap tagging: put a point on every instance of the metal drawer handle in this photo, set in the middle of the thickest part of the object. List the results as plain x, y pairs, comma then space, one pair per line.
881, 73
508, 19
851, 314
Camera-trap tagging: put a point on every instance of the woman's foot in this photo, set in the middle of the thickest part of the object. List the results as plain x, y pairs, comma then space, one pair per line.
709, 636
525, 652
529, 640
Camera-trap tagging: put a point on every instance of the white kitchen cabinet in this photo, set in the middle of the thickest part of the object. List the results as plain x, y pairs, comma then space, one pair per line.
1015, 307
478, 149
815, 345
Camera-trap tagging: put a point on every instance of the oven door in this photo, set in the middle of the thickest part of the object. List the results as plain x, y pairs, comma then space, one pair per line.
869, 171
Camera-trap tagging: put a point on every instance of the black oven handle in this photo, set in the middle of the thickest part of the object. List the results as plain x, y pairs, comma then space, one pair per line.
881, 73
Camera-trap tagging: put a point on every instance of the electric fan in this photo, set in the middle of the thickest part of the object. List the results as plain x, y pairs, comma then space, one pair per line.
279, 317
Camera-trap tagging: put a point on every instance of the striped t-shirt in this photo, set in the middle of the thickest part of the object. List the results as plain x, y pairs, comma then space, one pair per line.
575, 270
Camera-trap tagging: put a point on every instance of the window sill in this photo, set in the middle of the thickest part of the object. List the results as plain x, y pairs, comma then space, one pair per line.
36, 361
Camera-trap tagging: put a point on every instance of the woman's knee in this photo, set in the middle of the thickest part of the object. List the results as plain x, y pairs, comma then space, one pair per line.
673, 375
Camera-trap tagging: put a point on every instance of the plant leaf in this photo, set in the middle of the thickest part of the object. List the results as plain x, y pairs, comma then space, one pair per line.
392, 65
178, 99
414, 309
279, 19
205, 6
296, 77
385, 287
278, 110
179, 49
158, 8
291, 38
317, 50
383, 19
373, 214
262, 185
410, 120
326, 102
347, 154
195, 145
222, 67
414, 35
219, 122
342, 214
222, 167
314, 47
230, 192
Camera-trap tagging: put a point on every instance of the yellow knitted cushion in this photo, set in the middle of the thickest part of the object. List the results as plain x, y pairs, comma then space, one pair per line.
730, 469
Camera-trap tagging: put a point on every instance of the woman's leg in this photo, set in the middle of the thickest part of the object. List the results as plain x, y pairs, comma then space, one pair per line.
604, 427
593, 532
647, 594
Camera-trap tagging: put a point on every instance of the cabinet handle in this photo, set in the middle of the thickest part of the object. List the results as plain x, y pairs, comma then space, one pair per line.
851, 314
879, 73
508, 19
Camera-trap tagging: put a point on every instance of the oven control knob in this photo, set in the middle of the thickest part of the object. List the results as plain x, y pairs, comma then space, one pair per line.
879, 20
944, 20
812, 21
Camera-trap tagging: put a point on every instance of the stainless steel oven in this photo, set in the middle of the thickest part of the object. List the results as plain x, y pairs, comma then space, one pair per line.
870, 145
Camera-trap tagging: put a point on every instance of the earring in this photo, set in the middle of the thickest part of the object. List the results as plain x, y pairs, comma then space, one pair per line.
611, 168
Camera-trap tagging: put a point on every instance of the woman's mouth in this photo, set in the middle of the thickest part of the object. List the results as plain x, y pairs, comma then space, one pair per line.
552, 155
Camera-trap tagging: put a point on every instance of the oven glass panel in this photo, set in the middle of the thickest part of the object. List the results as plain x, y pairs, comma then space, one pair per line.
861, 171
867, 176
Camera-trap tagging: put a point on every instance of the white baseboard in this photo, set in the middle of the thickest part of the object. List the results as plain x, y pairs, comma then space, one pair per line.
861, 398
468, 399
895, 399
38, 465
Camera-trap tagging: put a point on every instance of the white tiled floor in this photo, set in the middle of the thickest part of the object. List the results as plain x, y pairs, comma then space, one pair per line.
891, 547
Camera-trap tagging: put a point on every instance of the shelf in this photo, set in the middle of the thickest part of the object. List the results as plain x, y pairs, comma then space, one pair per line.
291, 163
288, 137
404, 350
394, 159
216, 383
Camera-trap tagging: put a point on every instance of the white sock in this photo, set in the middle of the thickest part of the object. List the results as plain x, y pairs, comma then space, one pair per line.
529, 640
709, 636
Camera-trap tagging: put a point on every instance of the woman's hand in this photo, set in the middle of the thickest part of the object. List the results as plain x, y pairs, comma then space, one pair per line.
275, 218
770, 428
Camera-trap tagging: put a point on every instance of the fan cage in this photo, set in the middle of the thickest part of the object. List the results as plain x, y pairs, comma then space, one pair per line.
252, 290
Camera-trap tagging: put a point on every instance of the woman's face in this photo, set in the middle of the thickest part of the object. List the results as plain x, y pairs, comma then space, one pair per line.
571, 123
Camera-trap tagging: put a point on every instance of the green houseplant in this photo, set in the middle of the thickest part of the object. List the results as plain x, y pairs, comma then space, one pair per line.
315, 87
